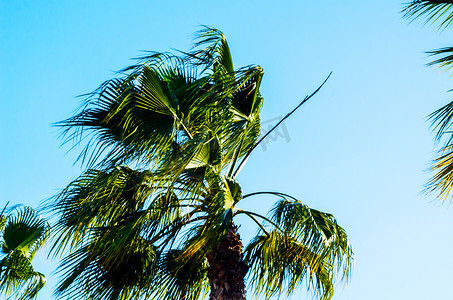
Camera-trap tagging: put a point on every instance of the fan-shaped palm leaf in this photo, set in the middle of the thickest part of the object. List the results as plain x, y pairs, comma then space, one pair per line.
301, 243
23, 234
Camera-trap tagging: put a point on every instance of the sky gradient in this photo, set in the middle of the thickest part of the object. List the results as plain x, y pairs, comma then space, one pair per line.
359, 149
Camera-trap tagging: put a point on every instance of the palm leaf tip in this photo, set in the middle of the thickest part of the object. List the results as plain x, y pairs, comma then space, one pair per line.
434, 11
213, 49
445, 60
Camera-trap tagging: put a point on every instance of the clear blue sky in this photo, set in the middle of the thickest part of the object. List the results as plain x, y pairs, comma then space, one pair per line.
358, 150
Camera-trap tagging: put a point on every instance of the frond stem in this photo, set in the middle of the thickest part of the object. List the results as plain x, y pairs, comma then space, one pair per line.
235, 157
252, 214
270, 193
241, 165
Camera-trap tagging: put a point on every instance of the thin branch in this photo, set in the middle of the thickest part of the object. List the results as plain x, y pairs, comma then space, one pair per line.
255, 220
251, 214
270, 193
241, 165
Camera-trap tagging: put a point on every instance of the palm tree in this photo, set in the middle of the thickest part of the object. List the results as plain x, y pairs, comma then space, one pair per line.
21, 234
152, 217
435, 11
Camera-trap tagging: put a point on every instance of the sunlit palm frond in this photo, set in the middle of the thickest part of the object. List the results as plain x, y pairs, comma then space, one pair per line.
127, 118
442, 167
18, 277
218, 207
202, 150
442, 121
97, 122
97, 198
445, 60
441, 183
161, 61
319, 231
432, 10
3, 217
23, 234
118, 232
216, 51
301, 244
244, 126
24, 231
102, 276
35, 283
279, 264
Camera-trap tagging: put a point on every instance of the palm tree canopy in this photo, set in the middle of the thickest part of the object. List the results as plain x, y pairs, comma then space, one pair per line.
22, 234
165, 142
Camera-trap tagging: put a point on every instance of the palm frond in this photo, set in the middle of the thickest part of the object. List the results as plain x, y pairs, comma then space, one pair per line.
442, 120
303, 244
102, 276
432, 10
35, 283
441, 183
216, 51
23, 234
126, 119
320, 231
24, 231
18, 277
442, 167
279, 264
95, 199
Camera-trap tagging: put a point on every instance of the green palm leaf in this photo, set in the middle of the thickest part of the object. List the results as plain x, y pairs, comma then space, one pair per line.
216, 52
303, 243
438, 12
445, 60
24, 231
182, 279
442, 181
23, 234
279, 263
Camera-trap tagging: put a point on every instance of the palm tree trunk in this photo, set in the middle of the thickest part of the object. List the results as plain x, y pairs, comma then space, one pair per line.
226, 271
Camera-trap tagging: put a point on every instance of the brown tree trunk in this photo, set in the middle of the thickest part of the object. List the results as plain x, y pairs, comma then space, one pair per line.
226, 271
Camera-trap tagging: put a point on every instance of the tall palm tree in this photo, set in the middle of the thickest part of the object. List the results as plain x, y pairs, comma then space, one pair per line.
152, 217
21, 234
441, 12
